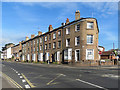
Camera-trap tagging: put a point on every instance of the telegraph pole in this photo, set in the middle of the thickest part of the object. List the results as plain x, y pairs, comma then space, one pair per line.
113, 46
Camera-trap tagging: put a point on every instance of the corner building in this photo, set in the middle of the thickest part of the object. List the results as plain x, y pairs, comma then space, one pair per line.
72, 42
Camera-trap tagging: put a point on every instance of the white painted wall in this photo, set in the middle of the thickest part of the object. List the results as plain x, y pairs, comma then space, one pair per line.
9, 55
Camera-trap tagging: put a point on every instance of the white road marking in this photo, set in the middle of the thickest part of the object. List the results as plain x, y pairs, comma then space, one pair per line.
110, 75
18, 73
91, 84
62, 74
21, 76
23, 80
27, 86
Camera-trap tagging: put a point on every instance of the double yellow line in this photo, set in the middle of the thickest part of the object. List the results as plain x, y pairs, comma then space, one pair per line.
12, 81
31, 85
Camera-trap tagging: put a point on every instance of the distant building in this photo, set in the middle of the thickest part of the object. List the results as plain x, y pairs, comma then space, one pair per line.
110, 54
7, 51
16, 51
101, 48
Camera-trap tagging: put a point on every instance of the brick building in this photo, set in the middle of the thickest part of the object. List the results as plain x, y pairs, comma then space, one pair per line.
73, 42
17, 51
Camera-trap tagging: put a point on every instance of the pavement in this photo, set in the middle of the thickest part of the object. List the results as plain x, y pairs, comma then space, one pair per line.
61, 76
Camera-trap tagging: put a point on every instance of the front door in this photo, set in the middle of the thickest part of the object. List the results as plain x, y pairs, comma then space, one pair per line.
77, 55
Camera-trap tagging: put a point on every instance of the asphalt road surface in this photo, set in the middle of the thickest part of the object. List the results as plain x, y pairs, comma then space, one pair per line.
57, 76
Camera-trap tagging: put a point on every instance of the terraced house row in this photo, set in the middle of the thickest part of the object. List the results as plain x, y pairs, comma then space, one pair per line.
73, 42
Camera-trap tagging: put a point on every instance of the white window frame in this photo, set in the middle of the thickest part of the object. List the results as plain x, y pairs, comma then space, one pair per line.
41, 40
58, 44
45, 38
66, 54
40, 47
59, 33
47, 56
87, 55
69, 53
93, 38
77, 41
58, 55
89, 24
54, 35
67, 42
68, 30
76, 28
76, 56
54, 44
40, 56
45, 46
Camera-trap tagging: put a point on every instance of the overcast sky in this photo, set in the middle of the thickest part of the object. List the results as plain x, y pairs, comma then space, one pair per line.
23, 19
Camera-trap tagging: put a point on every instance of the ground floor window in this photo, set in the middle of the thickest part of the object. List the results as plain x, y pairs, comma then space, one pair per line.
40, 56
68, 54
33, 57
28, 57
47, 56
23, 58
89, 54
58, 55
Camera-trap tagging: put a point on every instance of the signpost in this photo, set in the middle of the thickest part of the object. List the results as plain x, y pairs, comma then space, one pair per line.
100, 52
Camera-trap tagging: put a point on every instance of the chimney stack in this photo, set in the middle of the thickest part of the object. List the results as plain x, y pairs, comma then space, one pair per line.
77, 15
39, 33
50, 28
27, 38
32, 36
67, 21
20, 46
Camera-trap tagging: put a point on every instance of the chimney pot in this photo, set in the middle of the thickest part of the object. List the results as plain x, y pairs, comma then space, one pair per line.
50, 28
77, 15
27, 38
32, 36
39, 33
67, 21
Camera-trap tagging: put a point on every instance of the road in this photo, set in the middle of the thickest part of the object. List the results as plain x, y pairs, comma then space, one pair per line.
56, 76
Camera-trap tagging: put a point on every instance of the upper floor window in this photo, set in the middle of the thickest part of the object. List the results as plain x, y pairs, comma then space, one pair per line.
59, 33
77, 27
59, 44
49, 45
89, 25
49, 36
34, 49
54, 35
54, 45
28, 43
45, 46
34, 42
89, 39
37, 41
45, 38
68, 30
31, 43
40, 40
40, 47
37, 48
77, 40
67, 42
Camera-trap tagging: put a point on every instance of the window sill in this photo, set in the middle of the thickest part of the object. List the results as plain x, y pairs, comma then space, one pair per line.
77, 45
89, 28
89, 43
77, 31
